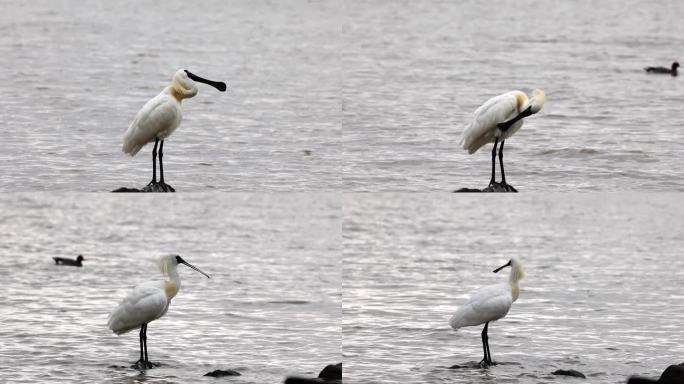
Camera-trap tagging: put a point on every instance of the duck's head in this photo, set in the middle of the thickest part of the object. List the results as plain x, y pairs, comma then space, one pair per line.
79, 258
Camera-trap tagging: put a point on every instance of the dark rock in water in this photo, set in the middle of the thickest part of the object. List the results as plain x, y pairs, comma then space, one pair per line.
471, 365
674, 374
301, 380
496, 187
221, 373
331, 372
571, 372
142, 365
157, 187
126, 190
640, 380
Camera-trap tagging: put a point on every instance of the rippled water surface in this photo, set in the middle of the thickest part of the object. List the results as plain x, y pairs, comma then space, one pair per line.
601, 295
414, 71
270, 309
75, 73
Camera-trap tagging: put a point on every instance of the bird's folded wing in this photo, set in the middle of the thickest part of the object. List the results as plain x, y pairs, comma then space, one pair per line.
481, 129
493, 302
156, 115
143, 305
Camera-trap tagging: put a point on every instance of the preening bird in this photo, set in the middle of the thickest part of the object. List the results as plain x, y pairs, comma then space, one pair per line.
497, 120
159, 117
70, 262
147, 302
663, 70
488, 304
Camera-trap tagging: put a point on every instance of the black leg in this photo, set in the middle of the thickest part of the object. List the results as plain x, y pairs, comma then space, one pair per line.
161, 166
154, 164
496, 141
503, 175
485, 347
489, 354
147, 361
142, 332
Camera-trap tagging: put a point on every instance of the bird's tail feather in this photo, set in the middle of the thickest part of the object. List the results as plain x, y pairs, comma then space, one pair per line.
131, 144
131, 148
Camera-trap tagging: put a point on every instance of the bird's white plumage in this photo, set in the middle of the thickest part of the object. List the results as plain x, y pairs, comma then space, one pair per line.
489, 303
159, 117
147, 302
483, 128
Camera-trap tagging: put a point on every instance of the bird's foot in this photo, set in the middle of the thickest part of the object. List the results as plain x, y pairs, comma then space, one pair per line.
158, 187
142, 364
486, 364
499, 187
165, 187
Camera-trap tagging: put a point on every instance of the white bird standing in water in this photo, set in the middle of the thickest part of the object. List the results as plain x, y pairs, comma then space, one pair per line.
147, 302
159, 117
498, 119
490, 303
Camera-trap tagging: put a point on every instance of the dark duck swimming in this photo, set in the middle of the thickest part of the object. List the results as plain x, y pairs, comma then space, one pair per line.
663, 70
74, 263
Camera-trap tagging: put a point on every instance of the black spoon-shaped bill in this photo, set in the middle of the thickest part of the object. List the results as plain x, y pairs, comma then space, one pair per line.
181, 261
220, 85
503, 266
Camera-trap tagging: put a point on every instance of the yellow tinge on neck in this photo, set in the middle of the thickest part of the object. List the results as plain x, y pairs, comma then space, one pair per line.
170, 289
515, 291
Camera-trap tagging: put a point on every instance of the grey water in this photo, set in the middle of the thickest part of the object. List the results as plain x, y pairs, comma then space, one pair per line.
75, 73
601, 293
271, 308
414, 71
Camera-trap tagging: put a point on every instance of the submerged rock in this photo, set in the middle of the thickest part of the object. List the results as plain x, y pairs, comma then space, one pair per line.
496, 187
143, 365
471, 365
570, 372
674, 374
301, 380
126, 190
221, 373
330, 374
148, 188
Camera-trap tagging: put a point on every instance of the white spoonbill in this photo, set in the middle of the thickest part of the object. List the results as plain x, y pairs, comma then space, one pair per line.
148, 301
490, 303
159, 117
498, 119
